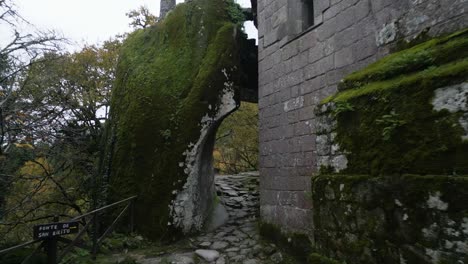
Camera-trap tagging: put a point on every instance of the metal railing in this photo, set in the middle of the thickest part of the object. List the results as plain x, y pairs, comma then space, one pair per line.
50, 244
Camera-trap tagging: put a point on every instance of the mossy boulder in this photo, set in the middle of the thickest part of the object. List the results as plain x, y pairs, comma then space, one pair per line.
407, 113
175, 82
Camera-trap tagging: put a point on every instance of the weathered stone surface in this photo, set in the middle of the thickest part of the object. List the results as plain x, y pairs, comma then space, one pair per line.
165, 7
218, 217
454, 99
348, 35
240, 233
185, 258
387, 34
426, 214
339, 163
176, 81
205, 244
277, 257
221, 260
208, 255
382, 115
219, 245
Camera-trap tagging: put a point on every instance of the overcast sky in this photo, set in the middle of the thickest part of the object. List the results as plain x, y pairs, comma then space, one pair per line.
89, 21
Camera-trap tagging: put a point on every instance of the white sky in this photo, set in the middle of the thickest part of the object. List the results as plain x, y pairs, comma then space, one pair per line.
89, 21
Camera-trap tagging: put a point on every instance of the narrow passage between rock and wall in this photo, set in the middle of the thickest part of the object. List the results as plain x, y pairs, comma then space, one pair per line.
238, 241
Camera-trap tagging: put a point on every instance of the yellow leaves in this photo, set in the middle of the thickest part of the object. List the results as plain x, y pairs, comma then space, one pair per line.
37, 170
24, 146
29, 194
218, 158
21, 115
18, 117
38, 167
236, 146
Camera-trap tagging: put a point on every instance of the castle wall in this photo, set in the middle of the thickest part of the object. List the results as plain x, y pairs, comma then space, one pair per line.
298, 69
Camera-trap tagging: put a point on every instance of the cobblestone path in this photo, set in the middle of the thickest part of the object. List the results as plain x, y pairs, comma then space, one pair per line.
238, 240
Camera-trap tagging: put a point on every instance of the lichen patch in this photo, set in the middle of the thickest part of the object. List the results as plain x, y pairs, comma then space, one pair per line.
435, 202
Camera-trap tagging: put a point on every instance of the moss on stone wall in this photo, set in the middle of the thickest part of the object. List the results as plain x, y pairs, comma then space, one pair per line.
169, 76
315, 258
298, 245
397, 195
386, 120
364, 219
434, 52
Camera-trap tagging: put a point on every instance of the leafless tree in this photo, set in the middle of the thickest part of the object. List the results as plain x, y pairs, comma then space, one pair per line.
16, 56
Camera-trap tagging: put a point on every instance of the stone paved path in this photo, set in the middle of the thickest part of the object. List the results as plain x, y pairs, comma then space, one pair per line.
237, 241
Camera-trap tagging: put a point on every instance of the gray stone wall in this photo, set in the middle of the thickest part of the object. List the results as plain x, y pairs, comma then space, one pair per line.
166, 7
411, 219
330, 155
298, 70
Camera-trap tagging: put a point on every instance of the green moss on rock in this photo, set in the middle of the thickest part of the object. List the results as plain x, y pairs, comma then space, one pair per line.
169, 76
297, 245
434, 76
390, 126
385, 219
401, 197
315, 258
431, 53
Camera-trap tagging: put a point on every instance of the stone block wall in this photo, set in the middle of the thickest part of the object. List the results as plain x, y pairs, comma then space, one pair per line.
410, 219
405, 114
299, 69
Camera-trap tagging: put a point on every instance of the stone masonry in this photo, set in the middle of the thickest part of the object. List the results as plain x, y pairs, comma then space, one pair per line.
299, 67
166, 7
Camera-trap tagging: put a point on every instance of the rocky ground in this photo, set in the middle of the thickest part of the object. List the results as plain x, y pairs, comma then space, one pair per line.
237, 241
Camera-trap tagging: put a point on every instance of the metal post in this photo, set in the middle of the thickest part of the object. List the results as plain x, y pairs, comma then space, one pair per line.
95, 236
132, 215
95, 217
51, 247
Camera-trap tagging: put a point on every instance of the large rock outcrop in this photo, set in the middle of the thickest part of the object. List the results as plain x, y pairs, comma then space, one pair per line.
175, 83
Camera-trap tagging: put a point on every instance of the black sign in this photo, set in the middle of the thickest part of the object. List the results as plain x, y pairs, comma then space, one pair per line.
55, 229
